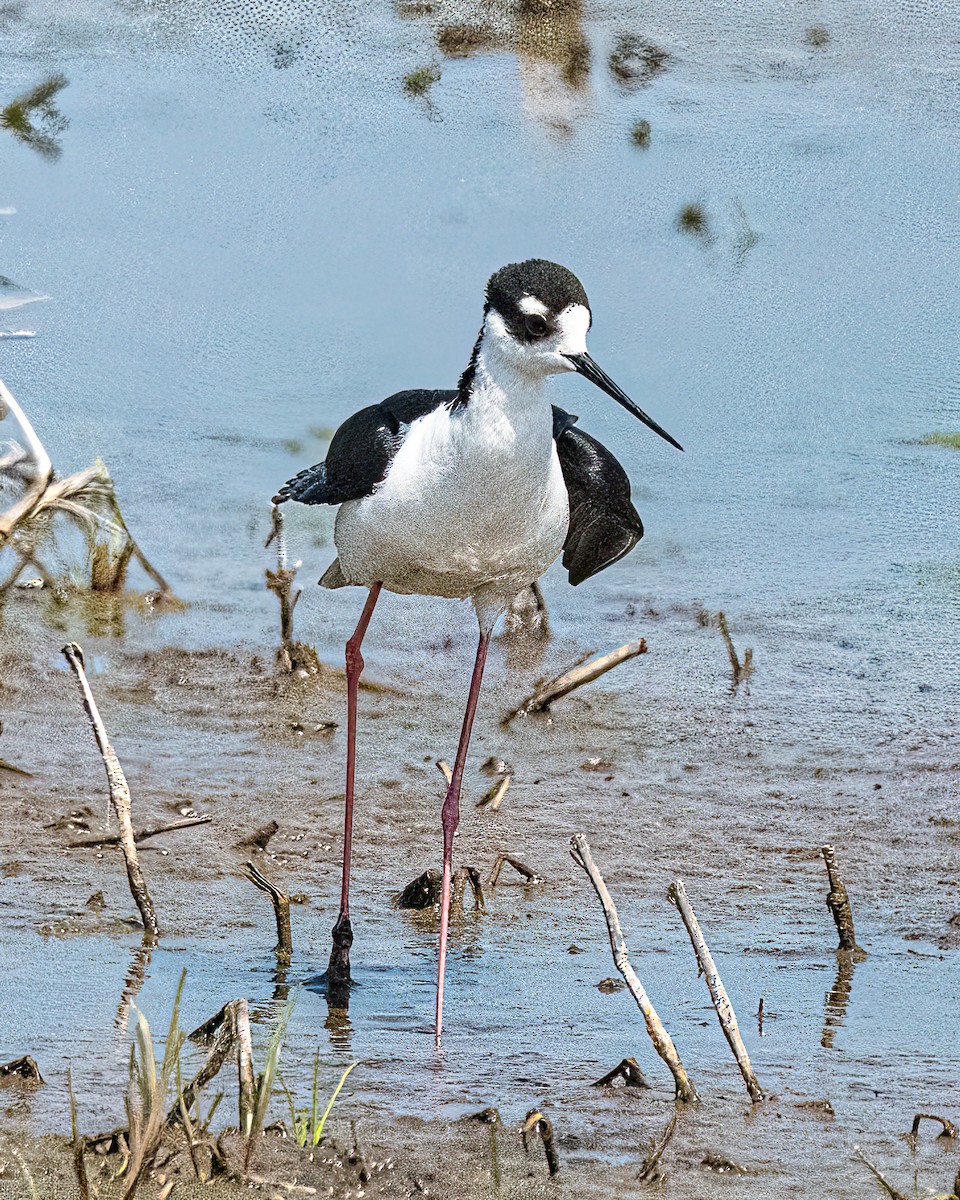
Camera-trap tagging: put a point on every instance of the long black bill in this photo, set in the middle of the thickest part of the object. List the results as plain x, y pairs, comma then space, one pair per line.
589, 370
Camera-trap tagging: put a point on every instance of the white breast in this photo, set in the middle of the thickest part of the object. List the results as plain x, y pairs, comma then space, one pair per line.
474, 503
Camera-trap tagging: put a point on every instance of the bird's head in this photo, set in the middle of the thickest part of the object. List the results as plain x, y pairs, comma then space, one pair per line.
536, 320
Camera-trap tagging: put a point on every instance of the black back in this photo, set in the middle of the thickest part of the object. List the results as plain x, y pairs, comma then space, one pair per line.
362, 450
604, 525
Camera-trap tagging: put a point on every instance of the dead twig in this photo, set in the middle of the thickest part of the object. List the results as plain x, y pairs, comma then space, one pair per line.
444, 768
113, 839
891, 1191
518, 866
461, 878
839, 904
537, 1123
649, 1169
281, 910
677, 894
741, 670
564, 684
628, 1069
280, 582
949, 1130
495, 796
119, 795
662, 1042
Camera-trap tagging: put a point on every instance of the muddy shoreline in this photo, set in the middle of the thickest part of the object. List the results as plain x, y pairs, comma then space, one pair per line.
663, 784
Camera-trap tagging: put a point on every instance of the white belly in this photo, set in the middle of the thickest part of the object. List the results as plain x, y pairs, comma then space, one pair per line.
467, 508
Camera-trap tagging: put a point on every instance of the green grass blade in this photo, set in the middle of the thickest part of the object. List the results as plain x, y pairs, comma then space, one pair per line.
318, 1131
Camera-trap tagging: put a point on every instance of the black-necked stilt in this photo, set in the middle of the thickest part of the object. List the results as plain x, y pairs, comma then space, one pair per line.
473, 493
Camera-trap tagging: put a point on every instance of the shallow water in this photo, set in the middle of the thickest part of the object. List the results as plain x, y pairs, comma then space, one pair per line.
250, 232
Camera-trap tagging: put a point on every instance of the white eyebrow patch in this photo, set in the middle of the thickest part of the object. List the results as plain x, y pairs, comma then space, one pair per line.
530, 304
573, 323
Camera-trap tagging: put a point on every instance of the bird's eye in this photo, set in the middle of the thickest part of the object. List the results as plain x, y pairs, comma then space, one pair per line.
536, 325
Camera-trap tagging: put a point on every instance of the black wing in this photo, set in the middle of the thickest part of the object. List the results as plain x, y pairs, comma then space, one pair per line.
362, 450
604, 525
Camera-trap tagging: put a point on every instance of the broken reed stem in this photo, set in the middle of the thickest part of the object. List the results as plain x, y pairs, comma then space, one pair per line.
280, 582
42, 466
494, 797
281, 910
839, 904
564, 684
144, 834
662, 1042
537, 1123
119, 795
741, 670
521, 869
718, 993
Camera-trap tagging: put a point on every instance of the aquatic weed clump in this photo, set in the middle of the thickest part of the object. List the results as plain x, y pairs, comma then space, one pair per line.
34, 119
817, 36
640, 135
950, 440
635, 62
420, 81
460, 41
692, 219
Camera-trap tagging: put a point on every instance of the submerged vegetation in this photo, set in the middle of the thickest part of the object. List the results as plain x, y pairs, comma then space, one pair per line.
34, 118
950, 440
420, 81
640, 135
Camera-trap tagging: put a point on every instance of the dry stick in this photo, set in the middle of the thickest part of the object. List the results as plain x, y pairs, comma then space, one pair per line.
718, 993
42, 466
518, 866
891, 1191
662, 1042
444, 769
573, 678
246, 1099
839, 904
627, 1069
564, 684
119, 795
495, 796
281, 910
143, 835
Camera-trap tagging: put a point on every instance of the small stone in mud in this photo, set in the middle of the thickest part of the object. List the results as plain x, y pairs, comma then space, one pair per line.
422, 892
610, 985
821, 1108
601, 765
716, 1162
96, 903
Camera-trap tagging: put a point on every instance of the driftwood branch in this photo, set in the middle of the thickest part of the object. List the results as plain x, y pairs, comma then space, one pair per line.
564, 684
839, 904
41, 468
718, 993
281, 910
662, 1042
144, 834
119, 795
247, 1087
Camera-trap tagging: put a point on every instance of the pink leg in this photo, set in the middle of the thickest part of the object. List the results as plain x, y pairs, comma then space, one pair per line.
451, 816
338, 971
